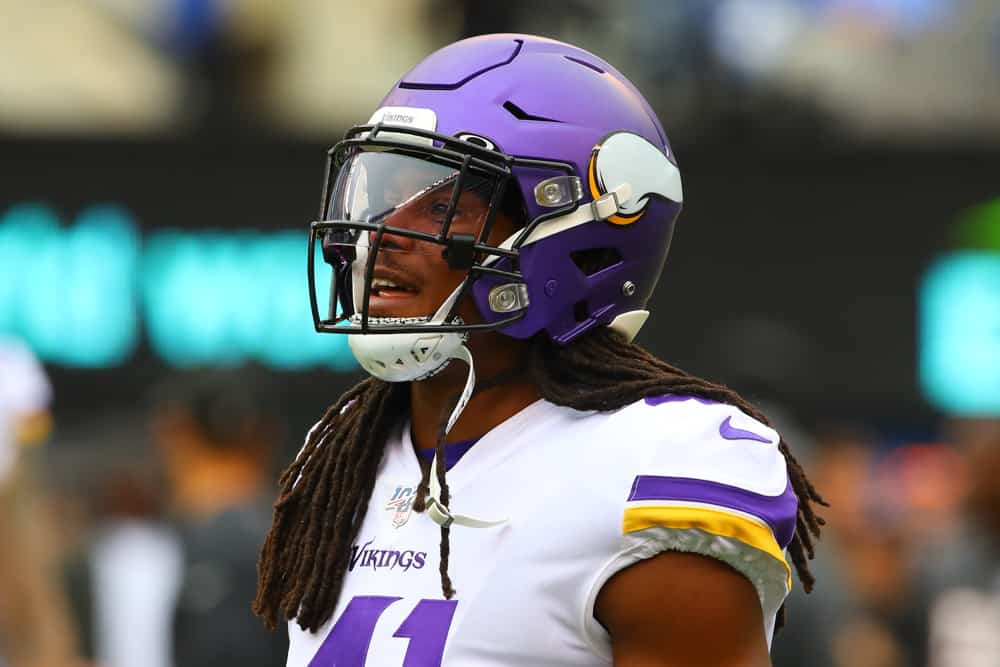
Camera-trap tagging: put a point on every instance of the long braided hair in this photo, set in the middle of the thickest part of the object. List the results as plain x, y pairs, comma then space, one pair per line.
324, 494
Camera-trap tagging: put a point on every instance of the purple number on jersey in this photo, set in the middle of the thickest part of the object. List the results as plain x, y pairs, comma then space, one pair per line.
426, 627
349, 638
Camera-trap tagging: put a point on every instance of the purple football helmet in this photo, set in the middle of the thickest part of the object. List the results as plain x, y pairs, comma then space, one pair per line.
600, 188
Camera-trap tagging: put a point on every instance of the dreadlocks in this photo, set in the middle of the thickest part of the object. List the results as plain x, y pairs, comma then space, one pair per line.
324, 493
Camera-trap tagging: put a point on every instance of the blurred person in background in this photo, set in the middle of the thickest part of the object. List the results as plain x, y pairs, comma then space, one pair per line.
962, 575
868, 612
35, 626
217, 438
124, 583
168, 574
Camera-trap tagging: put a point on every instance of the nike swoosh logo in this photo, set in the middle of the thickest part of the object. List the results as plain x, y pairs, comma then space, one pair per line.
729, 432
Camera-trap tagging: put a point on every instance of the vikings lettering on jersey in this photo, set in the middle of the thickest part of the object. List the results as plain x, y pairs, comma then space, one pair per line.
585, 495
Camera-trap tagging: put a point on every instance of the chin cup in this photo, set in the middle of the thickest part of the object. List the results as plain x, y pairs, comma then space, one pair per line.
404, 357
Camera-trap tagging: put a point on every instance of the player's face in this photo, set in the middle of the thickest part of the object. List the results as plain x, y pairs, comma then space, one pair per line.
411, 277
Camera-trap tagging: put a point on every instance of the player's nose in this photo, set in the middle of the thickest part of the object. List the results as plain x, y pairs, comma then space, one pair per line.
402, 219
391, 241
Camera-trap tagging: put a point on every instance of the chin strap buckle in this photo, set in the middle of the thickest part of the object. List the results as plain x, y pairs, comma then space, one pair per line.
438, 513
443, 516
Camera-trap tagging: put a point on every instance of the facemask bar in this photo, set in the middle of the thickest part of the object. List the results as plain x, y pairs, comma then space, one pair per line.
464, 251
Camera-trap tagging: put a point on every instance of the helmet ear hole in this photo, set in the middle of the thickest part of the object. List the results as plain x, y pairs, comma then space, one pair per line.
595, 260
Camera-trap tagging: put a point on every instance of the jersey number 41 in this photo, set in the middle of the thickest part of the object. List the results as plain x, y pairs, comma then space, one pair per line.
426, 627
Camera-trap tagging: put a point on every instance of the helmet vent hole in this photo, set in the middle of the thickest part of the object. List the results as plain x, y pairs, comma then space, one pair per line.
476, 140
580, 312
521, 114
595, 260
592, 66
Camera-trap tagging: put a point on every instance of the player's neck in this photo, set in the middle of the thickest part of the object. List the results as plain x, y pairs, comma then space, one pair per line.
489, 407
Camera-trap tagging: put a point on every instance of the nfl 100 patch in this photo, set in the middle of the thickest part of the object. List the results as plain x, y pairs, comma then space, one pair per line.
401, 504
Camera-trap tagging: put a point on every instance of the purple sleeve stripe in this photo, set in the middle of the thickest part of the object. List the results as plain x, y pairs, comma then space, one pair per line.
778, 512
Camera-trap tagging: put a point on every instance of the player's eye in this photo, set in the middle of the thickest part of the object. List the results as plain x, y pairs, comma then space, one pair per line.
439, 209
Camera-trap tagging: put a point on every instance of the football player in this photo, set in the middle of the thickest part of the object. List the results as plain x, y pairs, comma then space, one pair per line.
505, 214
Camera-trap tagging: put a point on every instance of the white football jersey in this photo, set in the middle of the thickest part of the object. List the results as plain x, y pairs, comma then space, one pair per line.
584, 495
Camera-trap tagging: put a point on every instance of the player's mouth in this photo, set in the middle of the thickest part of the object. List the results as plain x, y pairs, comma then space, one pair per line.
393, 293
389, 289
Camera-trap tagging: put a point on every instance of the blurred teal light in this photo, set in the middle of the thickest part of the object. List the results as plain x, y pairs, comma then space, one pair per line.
75, 294
69, 292
960, 334
227, 297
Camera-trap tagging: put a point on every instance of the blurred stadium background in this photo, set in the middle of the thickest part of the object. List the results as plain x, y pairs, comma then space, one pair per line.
838, 260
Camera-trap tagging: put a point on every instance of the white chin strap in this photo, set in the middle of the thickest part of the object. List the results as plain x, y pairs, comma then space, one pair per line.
442, 516
463, 354
436, 510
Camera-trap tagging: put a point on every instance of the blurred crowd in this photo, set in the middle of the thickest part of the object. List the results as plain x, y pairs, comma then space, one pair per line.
895, 69
908, 568
151, 559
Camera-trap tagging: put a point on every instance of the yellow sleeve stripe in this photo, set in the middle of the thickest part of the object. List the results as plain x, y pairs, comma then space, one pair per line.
712, 521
